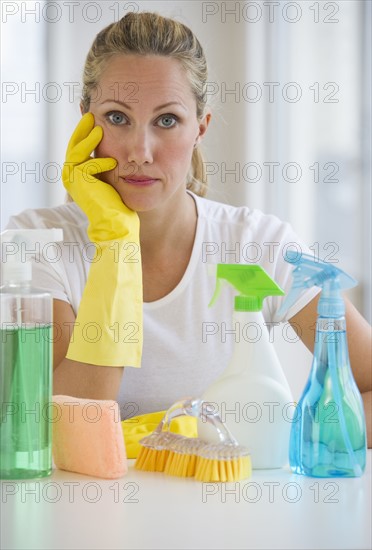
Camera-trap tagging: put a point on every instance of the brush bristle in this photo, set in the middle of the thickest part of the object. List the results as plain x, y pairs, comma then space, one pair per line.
192, 457
208, 470
180, 465
151, 460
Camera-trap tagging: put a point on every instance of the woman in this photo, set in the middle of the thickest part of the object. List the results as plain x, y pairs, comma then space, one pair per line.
144, 106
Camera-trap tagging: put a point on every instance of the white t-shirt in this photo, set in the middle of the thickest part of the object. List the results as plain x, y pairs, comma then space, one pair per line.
187, 344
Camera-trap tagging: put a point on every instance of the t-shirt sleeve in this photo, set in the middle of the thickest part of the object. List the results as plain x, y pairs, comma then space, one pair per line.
48, 271
276, 237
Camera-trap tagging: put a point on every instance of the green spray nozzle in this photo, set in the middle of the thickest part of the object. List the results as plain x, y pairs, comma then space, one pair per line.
251, 281
311, 272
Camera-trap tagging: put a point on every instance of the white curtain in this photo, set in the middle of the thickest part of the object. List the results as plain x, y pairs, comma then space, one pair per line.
290, 90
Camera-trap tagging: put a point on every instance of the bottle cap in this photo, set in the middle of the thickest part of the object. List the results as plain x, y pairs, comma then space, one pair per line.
248, 303
15, 246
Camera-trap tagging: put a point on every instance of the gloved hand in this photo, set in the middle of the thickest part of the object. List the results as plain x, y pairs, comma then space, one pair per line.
108, 327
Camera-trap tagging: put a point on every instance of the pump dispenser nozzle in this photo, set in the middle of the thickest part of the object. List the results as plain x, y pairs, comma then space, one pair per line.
15, 245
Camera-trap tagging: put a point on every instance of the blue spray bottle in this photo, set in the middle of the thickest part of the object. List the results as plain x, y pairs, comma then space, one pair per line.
328, 434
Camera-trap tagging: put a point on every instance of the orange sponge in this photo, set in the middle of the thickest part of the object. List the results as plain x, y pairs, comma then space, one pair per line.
88, 438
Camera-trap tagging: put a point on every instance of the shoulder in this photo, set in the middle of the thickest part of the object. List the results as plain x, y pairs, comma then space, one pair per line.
242, 218
67, 216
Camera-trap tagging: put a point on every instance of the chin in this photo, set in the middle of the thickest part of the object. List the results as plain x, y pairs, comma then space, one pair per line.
138, 204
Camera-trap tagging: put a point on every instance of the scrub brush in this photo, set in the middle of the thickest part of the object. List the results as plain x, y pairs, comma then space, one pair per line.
178, 455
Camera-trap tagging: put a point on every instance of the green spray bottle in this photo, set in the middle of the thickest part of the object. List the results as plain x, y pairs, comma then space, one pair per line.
252, 395
25, 357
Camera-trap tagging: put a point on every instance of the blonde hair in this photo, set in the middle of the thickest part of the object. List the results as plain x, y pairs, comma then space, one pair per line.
147, 33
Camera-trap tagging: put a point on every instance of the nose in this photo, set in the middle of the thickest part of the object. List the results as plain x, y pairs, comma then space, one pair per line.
140, 147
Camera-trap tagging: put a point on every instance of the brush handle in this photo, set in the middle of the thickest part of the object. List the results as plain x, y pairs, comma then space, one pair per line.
186, 407
198, 409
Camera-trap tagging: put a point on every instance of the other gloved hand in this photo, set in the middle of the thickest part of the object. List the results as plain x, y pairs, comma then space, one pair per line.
108, 327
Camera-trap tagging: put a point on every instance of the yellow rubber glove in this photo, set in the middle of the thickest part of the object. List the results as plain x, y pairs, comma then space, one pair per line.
108, 327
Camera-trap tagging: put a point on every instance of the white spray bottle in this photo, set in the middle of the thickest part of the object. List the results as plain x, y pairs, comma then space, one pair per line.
252, 396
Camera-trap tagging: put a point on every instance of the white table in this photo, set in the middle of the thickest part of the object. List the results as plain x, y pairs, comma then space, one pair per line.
272, 509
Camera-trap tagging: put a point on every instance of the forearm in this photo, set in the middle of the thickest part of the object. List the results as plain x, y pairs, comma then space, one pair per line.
86, 381
367, 400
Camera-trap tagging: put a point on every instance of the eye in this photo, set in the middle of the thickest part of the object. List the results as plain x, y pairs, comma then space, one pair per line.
116, 118
168, 121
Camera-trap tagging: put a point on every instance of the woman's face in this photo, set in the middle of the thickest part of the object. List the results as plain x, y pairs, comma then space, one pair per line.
148, 115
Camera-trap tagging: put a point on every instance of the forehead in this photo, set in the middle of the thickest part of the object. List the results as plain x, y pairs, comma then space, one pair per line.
144, 77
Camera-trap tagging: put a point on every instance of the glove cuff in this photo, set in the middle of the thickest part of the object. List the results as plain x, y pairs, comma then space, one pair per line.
108, 330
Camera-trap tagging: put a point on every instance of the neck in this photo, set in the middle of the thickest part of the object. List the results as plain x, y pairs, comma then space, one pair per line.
175, 224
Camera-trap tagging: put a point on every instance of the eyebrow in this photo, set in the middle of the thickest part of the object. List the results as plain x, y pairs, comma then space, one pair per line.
159, 108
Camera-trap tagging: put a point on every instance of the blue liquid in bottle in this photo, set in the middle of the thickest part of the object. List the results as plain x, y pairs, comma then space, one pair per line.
328, 437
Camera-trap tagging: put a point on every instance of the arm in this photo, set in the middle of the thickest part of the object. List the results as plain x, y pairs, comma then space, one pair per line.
112, 297
359, 337
72, 377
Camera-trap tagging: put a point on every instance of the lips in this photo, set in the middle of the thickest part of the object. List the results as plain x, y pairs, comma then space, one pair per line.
140, 180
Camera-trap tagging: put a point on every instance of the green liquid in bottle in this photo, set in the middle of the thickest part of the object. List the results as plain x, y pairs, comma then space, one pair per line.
26, 391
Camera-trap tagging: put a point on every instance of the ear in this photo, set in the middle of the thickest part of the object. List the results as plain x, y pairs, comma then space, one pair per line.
82, 108
203, 126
